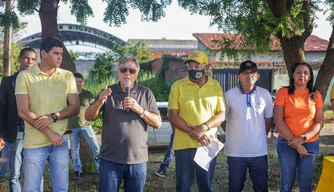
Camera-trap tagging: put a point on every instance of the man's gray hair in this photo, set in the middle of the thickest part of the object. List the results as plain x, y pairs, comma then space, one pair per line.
129, 58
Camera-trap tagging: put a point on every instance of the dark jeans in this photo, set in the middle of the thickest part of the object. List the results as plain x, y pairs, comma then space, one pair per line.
186, 169
168, 156
112, 174
289, 161
237, 170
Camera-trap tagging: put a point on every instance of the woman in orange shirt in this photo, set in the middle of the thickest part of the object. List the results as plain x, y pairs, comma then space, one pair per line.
298, 114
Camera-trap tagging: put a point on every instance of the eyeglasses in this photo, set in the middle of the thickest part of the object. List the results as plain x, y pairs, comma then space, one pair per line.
124, 69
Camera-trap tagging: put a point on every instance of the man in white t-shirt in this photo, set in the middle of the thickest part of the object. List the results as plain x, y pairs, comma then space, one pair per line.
249, 112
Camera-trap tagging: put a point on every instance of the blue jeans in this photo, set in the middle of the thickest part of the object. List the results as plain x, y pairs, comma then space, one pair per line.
186, 169
4, 165
112, 174
289, 161
89, 135
258, 172
15, 162
168, 156
34, 163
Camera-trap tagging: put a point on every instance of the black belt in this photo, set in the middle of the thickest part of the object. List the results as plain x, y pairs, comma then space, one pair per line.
21, 128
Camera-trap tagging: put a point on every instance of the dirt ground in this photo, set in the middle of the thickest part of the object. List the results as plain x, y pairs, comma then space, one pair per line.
326, 137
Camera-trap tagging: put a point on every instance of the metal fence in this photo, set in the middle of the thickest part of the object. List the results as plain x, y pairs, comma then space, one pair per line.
228, 78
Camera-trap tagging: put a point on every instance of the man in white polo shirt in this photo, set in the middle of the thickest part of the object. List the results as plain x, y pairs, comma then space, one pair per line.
249, 112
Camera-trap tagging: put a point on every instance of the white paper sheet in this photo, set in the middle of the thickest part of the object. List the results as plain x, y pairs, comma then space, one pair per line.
205, 154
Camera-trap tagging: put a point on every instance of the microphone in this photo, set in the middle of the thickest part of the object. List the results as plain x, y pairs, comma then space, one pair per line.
127, 85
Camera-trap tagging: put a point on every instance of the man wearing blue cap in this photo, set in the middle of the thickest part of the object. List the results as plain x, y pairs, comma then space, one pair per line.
249, 112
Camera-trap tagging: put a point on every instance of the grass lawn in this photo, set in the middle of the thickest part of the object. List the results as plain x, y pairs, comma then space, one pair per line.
89, 181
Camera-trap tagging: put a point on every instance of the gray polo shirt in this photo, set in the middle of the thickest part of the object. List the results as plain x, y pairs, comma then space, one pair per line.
124, 134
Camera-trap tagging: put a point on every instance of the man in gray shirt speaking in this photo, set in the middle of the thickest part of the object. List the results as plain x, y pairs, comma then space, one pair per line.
127, 110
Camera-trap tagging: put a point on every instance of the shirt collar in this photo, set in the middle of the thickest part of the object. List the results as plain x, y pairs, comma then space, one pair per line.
38, 70
243, 92
134, 90
208, 83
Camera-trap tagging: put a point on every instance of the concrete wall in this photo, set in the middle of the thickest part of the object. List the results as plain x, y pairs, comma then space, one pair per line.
266, 57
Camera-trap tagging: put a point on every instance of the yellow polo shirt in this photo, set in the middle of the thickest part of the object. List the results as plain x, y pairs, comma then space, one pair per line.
196, 106
332, 94
47, 94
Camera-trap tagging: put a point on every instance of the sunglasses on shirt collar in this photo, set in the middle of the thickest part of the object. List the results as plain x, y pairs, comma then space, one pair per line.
124, 69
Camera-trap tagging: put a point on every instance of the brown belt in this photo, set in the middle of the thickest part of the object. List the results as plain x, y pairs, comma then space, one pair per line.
67, 132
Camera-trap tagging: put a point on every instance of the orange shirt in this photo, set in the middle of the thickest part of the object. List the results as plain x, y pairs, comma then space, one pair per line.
299, 110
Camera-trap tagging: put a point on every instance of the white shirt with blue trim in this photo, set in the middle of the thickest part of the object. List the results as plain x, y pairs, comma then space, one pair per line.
245, 122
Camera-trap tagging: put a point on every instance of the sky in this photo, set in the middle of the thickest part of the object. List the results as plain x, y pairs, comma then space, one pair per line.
177, 24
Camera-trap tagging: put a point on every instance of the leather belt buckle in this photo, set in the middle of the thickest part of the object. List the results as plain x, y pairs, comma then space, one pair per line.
67, 132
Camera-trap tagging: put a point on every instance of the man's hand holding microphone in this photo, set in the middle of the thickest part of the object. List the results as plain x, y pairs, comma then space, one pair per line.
129, 102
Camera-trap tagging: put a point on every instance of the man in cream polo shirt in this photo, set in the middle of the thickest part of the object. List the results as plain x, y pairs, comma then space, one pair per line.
249, 112
46, 97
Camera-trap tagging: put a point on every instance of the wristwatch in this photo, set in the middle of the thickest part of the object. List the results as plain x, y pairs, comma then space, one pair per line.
143, 114
54, 117
207, 125
304, 138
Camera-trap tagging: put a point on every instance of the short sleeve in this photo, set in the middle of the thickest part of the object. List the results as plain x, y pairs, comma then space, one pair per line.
89, 99
280, 95
319, 103
21, 84
269, 110
332, 93
72, 85
152, 103
173, 100
221, 102
227, 102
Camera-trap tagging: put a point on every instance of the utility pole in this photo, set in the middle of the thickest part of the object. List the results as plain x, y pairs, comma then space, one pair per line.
7, 45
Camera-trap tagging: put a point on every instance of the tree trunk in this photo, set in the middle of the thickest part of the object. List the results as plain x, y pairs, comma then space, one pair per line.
48, 14
326, 71
86, 155
293, 51
7, 42
293, 48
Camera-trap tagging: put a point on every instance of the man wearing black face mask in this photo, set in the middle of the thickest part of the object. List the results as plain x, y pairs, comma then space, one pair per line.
195, 108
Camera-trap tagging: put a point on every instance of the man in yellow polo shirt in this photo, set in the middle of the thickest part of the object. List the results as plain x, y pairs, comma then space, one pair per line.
46, 97
195, 108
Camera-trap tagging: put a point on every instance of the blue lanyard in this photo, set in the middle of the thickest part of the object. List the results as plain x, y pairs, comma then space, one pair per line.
248, 95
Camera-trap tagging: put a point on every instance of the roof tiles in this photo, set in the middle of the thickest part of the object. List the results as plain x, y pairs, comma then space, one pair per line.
212, 42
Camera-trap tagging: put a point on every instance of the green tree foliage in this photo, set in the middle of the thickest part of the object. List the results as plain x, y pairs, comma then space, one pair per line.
14, 54
104, 66
9, 19
118, 10
74, 55
254, 23
79, 8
